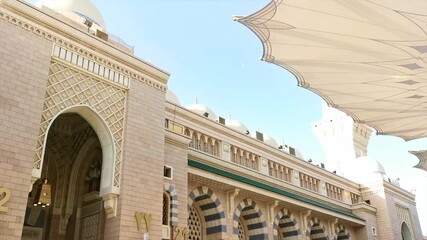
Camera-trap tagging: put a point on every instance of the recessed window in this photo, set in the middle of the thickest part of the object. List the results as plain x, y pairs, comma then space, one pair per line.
167, 171
374, 231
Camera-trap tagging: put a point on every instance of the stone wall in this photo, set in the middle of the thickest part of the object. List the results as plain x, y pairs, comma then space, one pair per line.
24, 68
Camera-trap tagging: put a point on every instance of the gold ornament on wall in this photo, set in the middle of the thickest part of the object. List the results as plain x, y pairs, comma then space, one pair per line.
139, 216
183, 232
4, 198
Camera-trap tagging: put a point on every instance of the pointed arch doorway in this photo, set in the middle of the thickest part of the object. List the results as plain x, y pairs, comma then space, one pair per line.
75, 161
406, 233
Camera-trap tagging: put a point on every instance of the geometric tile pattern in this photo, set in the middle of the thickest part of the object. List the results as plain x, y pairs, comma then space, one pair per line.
285, 226
65, 148
248, 213
89, 55
404, 217
211, 209
90, 227
194, 225
68, 87
242, 233
170, 189
315, 230
90, 65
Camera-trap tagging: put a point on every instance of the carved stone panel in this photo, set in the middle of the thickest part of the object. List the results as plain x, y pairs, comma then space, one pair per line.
68, 87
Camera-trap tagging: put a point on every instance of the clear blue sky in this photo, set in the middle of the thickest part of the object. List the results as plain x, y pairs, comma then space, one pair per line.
217, 60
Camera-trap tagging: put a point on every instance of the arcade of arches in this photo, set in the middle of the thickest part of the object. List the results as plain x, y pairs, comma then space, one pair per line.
73, 165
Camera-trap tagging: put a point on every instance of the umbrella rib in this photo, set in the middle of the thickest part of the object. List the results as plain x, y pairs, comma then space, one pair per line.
338, 16
401, 14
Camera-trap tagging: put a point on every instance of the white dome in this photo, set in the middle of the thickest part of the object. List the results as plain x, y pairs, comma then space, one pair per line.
370, 165
267, 140
286, 149
270, 141
201, 110
71, 8
236, 126
363, 170
172, 98
299, 154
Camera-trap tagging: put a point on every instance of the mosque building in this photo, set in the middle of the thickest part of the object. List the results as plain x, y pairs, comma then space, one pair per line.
95, 146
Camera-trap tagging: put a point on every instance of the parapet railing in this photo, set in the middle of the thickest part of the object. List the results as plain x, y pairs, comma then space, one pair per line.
279, 171
203, 142
273, 168
309, 182
244, 158
334, 192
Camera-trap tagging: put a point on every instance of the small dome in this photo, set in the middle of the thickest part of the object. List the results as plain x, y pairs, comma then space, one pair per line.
202, 110
287, 149
363, 170
236, 126
370, 165
74, 9
270, 141
299, 154
172, 98
267, 140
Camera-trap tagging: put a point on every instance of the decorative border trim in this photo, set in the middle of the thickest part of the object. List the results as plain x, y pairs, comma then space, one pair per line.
213, 213
264, 186
291, 225
89, 65
338, 230
167, 187
319, 229
72, 47
255, 225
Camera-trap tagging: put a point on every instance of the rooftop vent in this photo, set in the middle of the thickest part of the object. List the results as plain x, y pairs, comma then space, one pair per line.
102, 35
221, 120
259, 136
292, 151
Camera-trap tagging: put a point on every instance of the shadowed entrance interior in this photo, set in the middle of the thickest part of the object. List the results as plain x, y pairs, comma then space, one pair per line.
73, 165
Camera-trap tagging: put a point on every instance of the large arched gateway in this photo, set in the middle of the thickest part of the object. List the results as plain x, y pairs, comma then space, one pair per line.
406, 233
66, 202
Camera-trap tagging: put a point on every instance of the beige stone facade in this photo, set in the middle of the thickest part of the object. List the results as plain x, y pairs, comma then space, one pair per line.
124, 163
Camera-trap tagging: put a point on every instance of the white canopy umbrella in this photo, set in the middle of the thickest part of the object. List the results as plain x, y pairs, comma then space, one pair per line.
366, 58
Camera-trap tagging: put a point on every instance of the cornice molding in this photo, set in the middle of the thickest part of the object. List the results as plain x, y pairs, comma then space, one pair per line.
176, 139
222, 133
344, 214
70, 41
